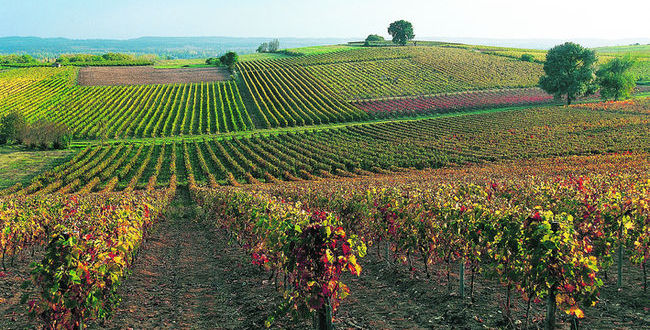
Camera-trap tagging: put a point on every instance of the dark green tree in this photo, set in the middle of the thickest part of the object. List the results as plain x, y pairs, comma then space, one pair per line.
12, 126
569, 71
401, 31
229, 59
615, 78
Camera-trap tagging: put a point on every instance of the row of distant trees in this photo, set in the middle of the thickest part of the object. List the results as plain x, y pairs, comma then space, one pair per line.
41, 134
108, 57
14, 59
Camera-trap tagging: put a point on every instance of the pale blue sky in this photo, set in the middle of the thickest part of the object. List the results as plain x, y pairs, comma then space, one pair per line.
334, 18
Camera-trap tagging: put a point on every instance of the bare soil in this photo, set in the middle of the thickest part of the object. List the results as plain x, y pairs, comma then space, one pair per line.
145, 75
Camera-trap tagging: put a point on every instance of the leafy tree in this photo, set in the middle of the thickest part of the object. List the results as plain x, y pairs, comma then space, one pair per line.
229, 59
274, 46
402, 32
263, 48
615, 79
12, 126
569, 70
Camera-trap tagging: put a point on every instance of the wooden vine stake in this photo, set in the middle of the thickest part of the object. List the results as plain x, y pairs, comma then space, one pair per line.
461, 288
323, 317
551, 307
619, 278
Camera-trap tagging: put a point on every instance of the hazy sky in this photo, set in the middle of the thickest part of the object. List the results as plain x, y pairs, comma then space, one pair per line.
557, 19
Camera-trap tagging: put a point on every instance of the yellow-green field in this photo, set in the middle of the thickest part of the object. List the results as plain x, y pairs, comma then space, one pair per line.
17, 165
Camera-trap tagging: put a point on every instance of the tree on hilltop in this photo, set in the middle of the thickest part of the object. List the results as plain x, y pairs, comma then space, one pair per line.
401, 31
615, 79
569, 70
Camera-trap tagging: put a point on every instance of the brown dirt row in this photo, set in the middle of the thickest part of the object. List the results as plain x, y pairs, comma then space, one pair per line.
144, 75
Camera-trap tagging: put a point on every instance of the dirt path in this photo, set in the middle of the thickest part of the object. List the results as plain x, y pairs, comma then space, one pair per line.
188, 276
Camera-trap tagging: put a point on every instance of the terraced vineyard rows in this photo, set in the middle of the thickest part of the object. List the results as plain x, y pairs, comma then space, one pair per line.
354, 150
127, 111
381, 78
28, 90
343, 56
291, 96
385, 72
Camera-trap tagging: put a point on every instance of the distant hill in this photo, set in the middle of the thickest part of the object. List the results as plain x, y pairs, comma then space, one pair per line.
175, 47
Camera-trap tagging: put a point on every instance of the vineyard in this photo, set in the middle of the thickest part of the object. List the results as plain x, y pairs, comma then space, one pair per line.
90, 242
129, 111
341, 84
546, 233
310, 90
430, 186
353, 150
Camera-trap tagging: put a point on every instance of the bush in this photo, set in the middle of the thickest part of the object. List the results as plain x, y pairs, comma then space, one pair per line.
45, 134
229, 59
213, 61
263, 48
527, 58
274, 46
374, 38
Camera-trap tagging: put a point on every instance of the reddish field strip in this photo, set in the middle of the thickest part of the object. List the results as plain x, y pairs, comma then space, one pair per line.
461, 101
457, 101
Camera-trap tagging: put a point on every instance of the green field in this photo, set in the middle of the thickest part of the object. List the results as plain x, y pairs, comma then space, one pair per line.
316, 50
181, 63
18, 165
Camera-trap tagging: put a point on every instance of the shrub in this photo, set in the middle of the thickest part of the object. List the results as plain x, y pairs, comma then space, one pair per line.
374, 38
212, 61
229, 59
527, 58
45, 134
